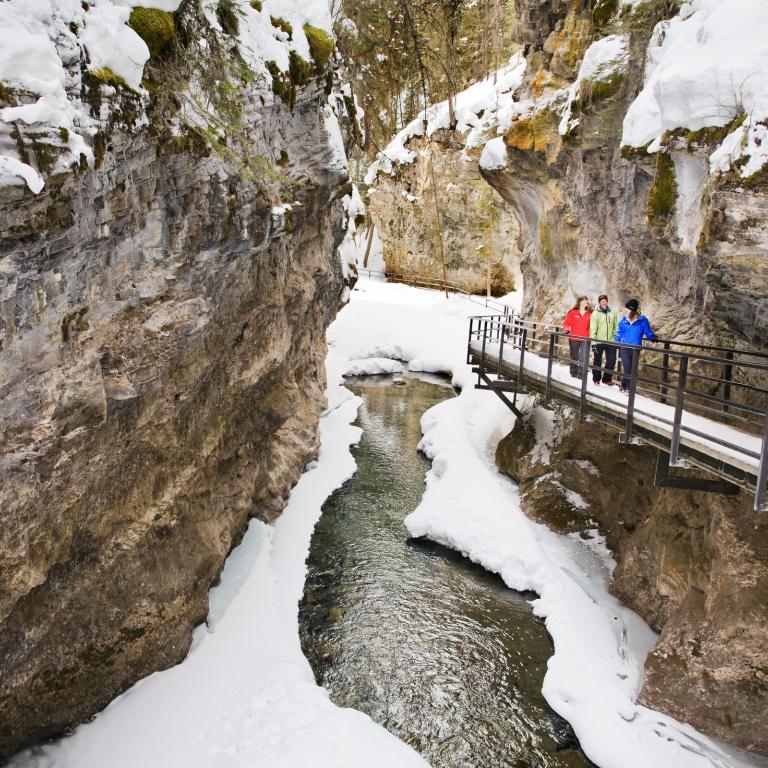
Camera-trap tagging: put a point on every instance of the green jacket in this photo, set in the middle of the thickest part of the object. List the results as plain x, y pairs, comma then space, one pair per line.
603, 325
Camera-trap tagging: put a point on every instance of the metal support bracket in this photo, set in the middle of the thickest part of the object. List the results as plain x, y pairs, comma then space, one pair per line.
632, 439
723, 487
512, 407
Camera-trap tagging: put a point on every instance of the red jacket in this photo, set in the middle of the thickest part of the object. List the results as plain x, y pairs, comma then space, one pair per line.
577, 324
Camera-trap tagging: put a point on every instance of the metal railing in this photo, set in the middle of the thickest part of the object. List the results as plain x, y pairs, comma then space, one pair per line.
437, 284
692, 378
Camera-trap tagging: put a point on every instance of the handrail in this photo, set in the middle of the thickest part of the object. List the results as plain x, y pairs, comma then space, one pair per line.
527, 337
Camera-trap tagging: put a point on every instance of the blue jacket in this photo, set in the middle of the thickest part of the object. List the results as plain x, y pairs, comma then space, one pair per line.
632, 333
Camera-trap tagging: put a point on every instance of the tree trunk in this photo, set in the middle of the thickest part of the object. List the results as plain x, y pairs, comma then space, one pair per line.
368, 247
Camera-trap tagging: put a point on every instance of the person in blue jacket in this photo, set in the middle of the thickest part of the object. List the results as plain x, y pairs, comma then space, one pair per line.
632, 328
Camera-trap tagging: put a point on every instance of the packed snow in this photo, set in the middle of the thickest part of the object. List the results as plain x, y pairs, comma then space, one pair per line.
45, 43
705, 67
484, 110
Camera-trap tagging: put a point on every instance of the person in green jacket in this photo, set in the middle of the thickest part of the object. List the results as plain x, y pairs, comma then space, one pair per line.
603, 325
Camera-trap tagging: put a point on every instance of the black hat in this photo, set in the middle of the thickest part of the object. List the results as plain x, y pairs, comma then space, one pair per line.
603, 296
633, 305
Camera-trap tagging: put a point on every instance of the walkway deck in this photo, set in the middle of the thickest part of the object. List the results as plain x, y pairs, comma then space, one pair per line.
715, 427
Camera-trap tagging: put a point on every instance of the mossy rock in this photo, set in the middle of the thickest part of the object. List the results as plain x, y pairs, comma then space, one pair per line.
283, 25
256, 5
321, 45
601, 90
603, 11
106, 76
635, 153
226, 15
298, 69
663, 193
154, 27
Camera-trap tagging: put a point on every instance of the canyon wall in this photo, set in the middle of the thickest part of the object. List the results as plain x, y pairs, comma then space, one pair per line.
664, 223
473, 218
162, 347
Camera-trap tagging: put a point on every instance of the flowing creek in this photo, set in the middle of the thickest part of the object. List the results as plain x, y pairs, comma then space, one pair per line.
433, 647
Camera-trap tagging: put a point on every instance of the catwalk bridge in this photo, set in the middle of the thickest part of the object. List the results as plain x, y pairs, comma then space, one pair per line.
702, 407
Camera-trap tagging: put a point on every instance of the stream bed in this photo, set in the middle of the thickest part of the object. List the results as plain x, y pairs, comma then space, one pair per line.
433, 647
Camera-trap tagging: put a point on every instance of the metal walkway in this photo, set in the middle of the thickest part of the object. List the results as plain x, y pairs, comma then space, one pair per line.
702, 407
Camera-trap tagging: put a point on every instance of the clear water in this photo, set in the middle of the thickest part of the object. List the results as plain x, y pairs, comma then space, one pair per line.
433, 647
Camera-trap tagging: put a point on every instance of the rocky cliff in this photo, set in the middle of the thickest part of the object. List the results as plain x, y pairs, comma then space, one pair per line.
469, 221
162, 346
474, 220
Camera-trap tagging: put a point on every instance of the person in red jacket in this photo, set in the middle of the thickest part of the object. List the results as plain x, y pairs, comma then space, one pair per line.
577, 326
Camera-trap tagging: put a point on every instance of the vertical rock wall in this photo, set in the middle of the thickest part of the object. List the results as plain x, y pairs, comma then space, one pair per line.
474, 219
162, 346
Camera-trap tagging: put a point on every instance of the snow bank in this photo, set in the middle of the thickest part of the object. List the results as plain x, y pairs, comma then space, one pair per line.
483, 110
494, 155
372, 366
595, 674
705, 67
246, 696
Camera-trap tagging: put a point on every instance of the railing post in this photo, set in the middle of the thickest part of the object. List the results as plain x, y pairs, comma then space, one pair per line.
728, 376
501, 349
523, 337
665, 372
632, 389
550, 360
674, 447
584, 359
762, 472
485, 336
469, 340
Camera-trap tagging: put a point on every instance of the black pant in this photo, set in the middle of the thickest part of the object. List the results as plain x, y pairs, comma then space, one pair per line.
610, 362
626, 363
575, 346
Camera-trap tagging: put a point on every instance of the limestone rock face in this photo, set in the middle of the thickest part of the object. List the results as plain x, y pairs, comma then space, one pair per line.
474, 218
162, 346
591, 214
693, 565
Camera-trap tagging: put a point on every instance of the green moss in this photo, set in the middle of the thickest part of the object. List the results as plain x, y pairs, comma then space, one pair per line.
278, 78
256, 5
106, 76
663, 193
283, 25
99, 148
226, 15
601, 90
283, 161
154, 27
298, 69
320, 45
603, 11
634, 153
83, 162
709, 137
18, 138
64, 133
